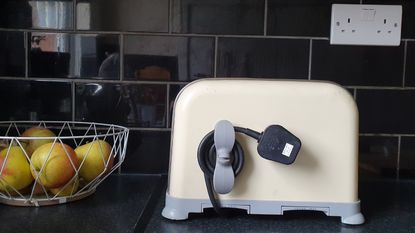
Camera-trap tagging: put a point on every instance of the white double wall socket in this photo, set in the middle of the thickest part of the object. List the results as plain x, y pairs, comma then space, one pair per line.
360, 24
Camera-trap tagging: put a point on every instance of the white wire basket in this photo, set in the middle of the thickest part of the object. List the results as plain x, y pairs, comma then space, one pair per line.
54, 162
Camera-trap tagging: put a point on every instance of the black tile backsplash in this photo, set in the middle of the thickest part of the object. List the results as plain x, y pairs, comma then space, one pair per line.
410, 64
378, 156
168, 58
218, 16
267, 58
386, 111
357, 65
124, 15
35, 100
301, 17
407, 159
125, 61
37, 14
141, 105
73, 55
12, 59
148, 152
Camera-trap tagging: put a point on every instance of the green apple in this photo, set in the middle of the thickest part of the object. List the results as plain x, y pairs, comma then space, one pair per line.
96, 154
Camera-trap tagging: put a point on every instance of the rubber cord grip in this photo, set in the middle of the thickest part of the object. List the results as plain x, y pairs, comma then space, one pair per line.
206, 156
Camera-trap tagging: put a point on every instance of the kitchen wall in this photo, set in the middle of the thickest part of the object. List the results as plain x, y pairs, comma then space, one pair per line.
124, 61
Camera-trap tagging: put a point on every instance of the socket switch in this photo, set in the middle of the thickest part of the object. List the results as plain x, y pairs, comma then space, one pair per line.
360, 24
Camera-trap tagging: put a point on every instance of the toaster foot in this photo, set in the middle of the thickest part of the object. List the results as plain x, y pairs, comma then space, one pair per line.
356, 219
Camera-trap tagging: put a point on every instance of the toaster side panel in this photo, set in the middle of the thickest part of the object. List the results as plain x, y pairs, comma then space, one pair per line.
323, 115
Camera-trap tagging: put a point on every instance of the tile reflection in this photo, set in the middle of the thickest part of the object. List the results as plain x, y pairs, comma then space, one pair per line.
218, 16
131, 105
30, 100
73, 55
36, 14
12, 54
168, 58
126, 15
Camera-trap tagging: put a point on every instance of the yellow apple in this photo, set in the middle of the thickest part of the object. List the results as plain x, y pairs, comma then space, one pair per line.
57, 169
16, 171
96, 155
68, 190
32, 144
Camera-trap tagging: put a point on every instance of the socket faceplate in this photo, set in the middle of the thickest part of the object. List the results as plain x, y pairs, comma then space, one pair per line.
360, 24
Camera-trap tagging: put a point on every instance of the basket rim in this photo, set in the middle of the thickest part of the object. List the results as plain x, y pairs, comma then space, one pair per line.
119, 128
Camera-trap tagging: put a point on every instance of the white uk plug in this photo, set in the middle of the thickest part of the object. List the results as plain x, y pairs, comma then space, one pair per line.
360, 24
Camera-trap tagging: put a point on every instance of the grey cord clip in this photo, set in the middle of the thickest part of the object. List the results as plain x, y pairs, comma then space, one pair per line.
224, 138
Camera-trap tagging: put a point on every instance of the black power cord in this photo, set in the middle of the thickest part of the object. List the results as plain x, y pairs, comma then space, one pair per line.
206, 156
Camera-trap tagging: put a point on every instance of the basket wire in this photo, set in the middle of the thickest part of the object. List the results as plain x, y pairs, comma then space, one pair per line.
87, 132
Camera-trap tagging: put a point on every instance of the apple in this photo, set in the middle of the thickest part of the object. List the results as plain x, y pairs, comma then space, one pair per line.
68, 190
96, 155
58, 169
16, 169
31, 145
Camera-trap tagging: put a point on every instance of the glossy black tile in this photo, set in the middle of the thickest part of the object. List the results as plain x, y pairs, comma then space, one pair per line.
301, 17
147, 152
408, 17
73, 55
37, 14
125, 15
31, 100
410, 64
218, 16
357, 65
265, 58
12, 59
386, 111
378, 156
407, 158
168, 58
127, 105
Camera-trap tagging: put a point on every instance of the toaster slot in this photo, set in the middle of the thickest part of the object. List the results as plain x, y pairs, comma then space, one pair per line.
325, 210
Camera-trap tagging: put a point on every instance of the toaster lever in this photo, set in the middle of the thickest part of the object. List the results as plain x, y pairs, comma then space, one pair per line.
224, 140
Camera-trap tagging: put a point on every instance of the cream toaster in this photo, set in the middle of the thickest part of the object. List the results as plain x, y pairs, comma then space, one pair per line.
265, 146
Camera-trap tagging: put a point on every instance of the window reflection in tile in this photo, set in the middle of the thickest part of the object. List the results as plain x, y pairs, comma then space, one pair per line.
168, 58
37, 14
30, 100
12, 54
73, 55
129, 105
125, 15
218, 16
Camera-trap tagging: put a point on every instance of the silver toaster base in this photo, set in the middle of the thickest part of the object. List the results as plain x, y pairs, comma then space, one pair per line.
179, 209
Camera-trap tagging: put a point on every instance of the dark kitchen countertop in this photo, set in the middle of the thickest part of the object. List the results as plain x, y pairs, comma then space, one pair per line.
133, 203
388, 206
117, 206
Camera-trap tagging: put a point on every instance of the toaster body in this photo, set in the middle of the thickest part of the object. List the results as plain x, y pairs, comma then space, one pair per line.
324, 176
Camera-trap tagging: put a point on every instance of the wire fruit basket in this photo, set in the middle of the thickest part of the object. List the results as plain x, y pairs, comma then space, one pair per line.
54, 162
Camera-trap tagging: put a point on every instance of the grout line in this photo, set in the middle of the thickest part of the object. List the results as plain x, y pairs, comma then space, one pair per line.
361, 1
169, 16
73, 86
380, 87
215, 58
398, 161
168, 106
162, 34
265, 17
310, 58
355, 94
149, 129
26, 54
404, 62
121, 56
